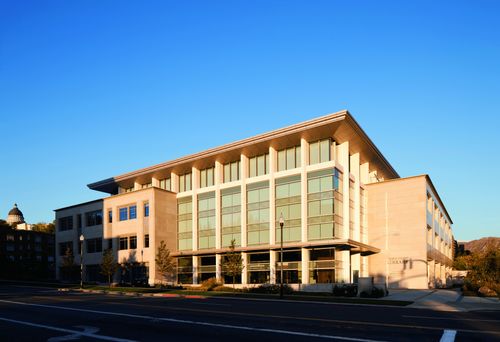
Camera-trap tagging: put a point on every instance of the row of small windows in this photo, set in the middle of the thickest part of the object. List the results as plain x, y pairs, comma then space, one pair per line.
130, 242
289, 158
95, 245
92, 218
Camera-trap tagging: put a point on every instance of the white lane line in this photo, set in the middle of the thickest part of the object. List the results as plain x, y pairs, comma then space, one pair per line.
448, 336
173, 320
73, 332
453, 319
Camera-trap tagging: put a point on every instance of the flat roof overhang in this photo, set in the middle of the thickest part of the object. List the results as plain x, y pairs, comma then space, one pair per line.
340, 125
354, 247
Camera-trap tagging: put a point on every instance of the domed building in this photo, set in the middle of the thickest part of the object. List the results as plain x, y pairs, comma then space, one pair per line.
15, 216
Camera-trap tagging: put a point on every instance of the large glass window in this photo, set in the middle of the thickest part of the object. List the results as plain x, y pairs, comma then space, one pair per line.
320, 151
185, 182
288, 204
132, 212
123, 243
93, 218
185, 270
206, 220
207, 177
146, 209
232, 171
133, 242
165, 184
123, 214
65, 223
185, 223
258, 165
289, 158
258, 213
324, 204
258, 268
231, 216
94, 245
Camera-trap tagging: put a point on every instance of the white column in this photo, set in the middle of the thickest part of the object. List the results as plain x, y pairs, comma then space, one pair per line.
272, 197
174, 182
155, 182
304, 156
244, 271
305, 265
137, 186
344, 256
273, 268
244, 174
364, 173
218, 267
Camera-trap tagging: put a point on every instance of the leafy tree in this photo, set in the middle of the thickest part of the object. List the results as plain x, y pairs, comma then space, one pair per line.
232, 264
68, 263
49, 228
483, 269
165, 263
108, 265
4, 224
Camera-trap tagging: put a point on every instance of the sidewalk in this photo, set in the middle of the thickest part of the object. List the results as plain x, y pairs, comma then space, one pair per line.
444, 300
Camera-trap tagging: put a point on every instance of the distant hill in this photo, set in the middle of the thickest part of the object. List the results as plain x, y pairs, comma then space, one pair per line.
481, 245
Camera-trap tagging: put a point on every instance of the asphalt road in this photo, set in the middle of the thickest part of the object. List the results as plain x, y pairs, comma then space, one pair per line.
43, 314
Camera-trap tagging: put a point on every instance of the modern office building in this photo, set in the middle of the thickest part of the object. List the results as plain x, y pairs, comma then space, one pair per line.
347, 213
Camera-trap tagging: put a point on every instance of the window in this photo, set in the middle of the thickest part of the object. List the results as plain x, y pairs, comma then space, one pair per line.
110, 216
185, 223
123, 243
129, 189
165, 184
93, 218
258, 213
146, 209
324, 204
10, 237
289, 158
288, 203
109, 243
133, 242
132, 214
320, 151
65, 223
232, 171
206, 220
207, 177
94, 245
231, 216
146, 241
185, 182
259, 165
123, 214
146, 185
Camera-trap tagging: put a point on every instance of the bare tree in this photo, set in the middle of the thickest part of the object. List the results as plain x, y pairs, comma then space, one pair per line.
108, 265
165, 263
232, 264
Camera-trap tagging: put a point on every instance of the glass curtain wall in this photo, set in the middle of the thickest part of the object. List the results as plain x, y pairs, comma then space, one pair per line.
288, 204
320, 151
258, 213
289, 158
185, 270
324, 204
206, 220
259, 165
231, 216
185, 223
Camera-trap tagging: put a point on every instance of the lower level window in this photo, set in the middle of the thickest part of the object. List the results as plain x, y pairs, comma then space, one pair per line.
133, 242
123, 243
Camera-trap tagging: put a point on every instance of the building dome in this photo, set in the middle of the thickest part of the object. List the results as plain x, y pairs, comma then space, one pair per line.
15, 216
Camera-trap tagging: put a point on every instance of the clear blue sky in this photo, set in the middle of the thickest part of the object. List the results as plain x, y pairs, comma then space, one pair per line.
93, 89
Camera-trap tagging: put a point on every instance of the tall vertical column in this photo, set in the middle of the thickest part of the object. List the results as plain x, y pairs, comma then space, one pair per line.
155, 182
272, 196
344, 256
305, 265
244, 271
218, 209
196, 270
137, 186
273, 267
174, 182
244, 175
304, 156
354, 169
218, 268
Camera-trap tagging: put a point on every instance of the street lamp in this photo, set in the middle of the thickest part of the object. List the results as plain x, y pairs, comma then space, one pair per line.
282, 222
82, 238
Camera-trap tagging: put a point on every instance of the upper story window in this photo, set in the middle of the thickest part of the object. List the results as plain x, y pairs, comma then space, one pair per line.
128, 213
93, 218
320, 151
146, 185
258, 165
289, 158
207, 177
185, 182
10, 237
146, 209
129, 189
110, 216
232, 171
166, 184
65, 223
94, 245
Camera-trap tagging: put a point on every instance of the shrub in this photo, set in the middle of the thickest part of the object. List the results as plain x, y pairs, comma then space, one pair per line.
375, 293
345, 290
209, 284
271, 289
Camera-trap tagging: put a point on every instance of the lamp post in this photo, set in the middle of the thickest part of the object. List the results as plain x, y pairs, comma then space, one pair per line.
82, 238
282, 222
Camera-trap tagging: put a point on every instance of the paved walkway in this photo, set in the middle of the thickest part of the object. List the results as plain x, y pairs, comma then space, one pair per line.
444, 300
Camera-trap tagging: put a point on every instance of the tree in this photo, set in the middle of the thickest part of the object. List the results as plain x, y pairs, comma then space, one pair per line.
232, 264
165, 263
68, 263
108, 265
49, 228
